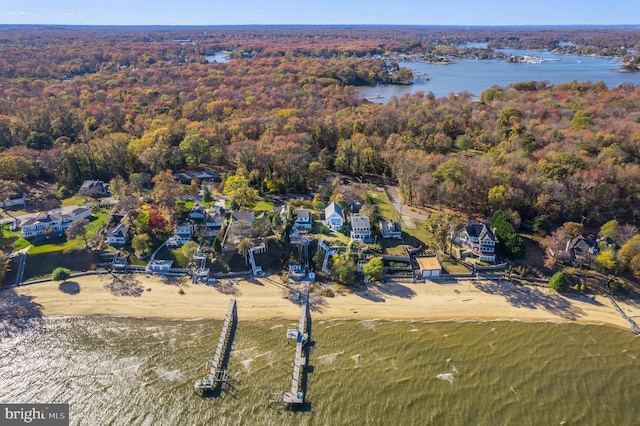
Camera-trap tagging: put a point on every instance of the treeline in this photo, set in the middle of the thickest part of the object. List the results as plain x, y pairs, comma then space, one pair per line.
565, 152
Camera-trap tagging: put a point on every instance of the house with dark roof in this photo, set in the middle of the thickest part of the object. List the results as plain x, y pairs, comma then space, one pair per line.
198, 212
334, 217
118, 235
94, 188
582, 249
479, 239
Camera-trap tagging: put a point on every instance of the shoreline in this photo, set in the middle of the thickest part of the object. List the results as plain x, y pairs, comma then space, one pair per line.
146, 297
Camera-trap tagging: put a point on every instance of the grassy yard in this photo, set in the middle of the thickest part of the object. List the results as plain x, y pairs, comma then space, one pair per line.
12, 240
76, 200
383, 205
176, 255
331, 236
453, 267
263, 206
41, 265
62, 244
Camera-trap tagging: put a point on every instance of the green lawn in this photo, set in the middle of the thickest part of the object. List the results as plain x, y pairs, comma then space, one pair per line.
61, 244
263, 206
41, 265
383, 205
76, 200
179, 260
12, 240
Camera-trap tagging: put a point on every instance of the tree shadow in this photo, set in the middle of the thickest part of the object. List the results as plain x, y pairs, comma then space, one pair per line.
316, 302
226, 287
124, 285
19, 313
371, 294
69, 287
532, 298
393, 288
172, 280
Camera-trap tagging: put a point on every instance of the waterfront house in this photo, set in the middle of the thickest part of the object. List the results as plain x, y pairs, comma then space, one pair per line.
390, 229
118, 235
303, 221
334, 216
582, 250
479, 239
50, 224
182, 235
360, 228
160, 267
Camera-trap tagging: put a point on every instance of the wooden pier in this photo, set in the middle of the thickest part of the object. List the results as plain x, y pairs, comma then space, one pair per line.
217, 366
297, 396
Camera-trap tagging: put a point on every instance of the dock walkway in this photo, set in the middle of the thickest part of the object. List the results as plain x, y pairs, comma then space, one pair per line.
296, 396
217, 366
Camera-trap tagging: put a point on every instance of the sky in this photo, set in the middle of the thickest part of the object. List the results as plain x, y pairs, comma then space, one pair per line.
320, 12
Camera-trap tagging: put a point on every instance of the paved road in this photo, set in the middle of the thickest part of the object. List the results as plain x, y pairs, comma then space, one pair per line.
394, 197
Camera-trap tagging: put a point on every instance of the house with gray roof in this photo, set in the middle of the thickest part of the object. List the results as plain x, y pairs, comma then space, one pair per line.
334, 216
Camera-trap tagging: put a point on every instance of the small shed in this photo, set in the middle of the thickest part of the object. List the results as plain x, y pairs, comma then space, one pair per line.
429, 267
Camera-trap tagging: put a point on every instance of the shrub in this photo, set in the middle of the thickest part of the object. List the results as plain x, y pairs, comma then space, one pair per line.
60, 274
559, 282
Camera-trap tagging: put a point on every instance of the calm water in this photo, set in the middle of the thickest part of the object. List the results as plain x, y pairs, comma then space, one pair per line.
125, 371
218, 57
475, 76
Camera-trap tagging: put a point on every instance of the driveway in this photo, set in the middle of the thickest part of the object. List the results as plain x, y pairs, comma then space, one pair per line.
405, 214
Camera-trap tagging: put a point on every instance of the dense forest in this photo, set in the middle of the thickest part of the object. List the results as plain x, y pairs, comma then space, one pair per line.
78, 103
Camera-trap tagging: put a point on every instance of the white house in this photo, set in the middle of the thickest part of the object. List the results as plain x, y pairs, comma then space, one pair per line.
14, 200
334, 217
118, 235
303, 220
390, 229
182, 235
158, 266
429, 267
478, 238
360, 228
48, 224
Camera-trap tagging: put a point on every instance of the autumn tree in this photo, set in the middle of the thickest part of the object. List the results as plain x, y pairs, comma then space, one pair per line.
374, 269
166, 190
189, 250
194, 147
243, 248
609, 229
78, 228
440, 228
141, 245
237, 189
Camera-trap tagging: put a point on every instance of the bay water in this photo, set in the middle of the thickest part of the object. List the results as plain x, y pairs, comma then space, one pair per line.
127, 371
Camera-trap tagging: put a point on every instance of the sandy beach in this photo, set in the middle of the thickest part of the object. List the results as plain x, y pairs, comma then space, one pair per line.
267, 298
